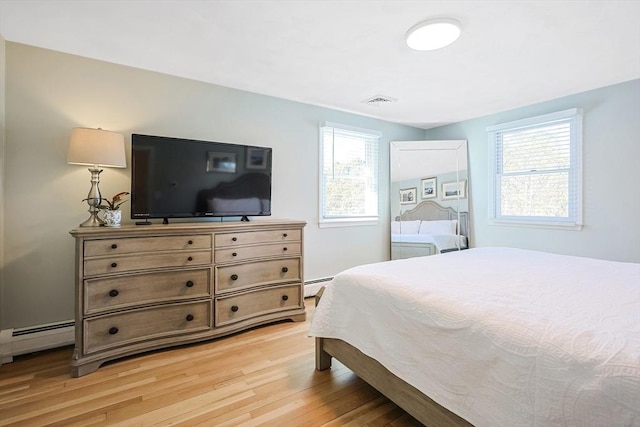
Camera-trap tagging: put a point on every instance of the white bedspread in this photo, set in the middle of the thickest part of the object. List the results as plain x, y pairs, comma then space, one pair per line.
440, 241
501, 337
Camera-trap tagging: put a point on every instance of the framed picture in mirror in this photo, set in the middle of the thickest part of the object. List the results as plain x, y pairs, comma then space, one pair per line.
429, 188
454, 190
256, 158
221, 162
408, 196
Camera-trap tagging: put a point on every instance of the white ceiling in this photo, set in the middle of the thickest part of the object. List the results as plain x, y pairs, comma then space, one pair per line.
339, 53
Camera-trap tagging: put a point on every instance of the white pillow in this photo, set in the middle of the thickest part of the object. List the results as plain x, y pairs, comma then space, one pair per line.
438, 227
395, 227
406, 227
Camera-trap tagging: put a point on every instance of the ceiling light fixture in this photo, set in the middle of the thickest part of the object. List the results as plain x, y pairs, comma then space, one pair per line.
433, 34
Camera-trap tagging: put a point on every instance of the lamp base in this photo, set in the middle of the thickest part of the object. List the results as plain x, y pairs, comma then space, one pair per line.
93, 221
94, 199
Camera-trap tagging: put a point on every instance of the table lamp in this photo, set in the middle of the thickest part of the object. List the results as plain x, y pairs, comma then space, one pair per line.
96, 148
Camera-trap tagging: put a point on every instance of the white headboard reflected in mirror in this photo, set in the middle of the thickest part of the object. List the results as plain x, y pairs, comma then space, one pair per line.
429, 197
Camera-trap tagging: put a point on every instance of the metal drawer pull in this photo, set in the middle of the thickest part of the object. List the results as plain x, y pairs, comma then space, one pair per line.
189, 317
284, 249
234, 254
285, 297
234, 239
190, 258
189, 284
114, 246
190, 242
285, 269
114, 265
234, 277
285, 235
234, 308
113, 293
113, 331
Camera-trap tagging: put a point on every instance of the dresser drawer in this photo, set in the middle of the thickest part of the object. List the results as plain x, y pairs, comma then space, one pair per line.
119, 292
129, 245
258, 251
256, 303
105, 332
248, 238
258, 273
119, 264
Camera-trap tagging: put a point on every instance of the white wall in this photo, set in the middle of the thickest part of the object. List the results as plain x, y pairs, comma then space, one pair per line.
611, 176
49, 93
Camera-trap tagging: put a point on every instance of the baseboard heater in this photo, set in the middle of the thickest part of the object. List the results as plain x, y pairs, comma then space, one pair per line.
311, 287
14, 342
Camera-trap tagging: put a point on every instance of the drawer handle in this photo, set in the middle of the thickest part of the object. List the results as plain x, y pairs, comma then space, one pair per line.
113, 331
285, 297
113, 293
189, 317
234, 239
234, 277
234, 254
285, 269
285, 235
114, 246
234, 308
284, 249
190, 258
114, 265
189, 284
190, 242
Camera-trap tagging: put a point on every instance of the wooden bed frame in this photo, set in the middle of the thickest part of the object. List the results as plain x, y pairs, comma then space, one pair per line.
409, 398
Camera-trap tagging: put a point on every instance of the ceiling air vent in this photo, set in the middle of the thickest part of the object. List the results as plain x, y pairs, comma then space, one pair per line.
379, 100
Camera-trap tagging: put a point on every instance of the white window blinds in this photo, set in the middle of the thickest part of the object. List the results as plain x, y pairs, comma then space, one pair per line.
536, 170
349, 174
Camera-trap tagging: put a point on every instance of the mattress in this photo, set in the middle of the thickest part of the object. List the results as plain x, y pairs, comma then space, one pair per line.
500, 336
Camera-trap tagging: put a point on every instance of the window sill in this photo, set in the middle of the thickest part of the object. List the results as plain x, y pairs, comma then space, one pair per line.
347, 222
536, 224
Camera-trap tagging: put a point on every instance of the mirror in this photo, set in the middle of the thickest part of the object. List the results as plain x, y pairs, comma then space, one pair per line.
429, 197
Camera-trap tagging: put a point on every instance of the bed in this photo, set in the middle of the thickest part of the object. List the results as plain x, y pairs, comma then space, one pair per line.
491, 337
428, 229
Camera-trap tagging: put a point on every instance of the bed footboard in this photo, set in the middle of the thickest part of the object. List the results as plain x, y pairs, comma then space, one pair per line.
323, 359
409, 398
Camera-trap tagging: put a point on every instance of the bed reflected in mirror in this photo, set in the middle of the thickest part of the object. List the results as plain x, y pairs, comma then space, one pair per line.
429, 197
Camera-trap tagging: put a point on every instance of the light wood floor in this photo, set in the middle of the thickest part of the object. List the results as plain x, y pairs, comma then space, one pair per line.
264, 376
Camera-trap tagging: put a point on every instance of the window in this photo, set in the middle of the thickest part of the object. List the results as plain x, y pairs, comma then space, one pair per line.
348, 175
536, 176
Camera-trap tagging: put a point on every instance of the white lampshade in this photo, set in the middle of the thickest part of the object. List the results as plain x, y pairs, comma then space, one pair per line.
97, 147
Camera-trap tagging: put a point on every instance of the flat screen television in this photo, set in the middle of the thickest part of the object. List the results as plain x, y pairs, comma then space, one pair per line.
185, 178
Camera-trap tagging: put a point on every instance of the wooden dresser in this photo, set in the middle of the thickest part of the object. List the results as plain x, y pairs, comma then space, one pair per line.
140, 288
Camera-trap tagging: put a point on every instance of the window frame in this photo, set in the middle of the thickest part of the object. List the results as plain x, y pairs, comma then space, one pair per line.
346, 220
574, 222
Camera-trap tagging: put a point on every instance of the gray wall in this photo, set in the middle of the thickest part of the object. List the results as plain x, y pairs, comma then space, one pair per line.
2, 161
49, 93
611, 176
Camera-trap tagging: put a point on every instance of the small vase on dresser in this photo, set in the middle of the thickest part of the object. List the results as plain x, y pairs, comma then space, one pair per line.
111, 213
112, 218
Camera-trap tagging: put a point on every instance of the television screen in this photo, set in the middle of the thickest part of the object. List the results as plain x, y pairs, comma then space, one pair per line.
184, 178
